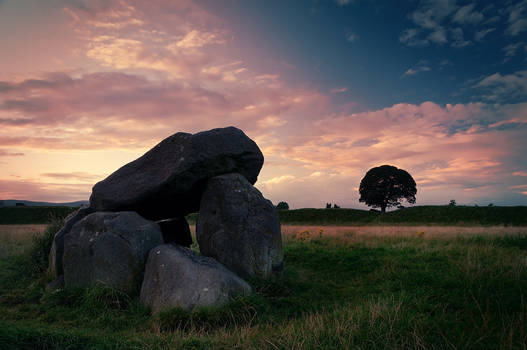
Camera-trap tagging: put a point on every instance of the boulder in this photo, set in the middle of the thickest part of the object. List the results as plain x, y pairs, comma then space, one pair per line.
239, 227
176, 276
168, 180
57, 247
176, 231
109, 248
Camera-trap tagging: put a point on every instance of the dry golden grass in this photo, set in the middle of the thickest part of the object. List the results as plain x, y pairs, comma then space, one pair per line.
290, 231
20, 232
15, 238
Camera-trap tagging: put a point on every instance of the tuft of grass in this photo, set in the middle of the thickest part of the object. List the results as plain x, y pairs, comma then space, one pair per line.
238, 313
41, 245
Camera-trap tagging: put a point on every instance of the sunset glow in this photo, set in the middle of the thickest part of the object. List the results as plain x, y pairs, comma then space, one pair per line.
327, 89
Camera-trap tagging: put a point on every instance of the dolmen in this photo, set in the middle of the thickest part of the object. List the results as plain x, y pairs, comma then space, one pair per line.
133, 235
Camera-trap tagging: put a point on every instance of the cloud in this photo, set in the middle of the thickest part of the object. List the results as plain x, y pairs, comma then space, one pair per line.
196, 38
458, 39
519, 173
522, 120
434, 18
30, 189
431, 13
517, 21
339, 90
77, 176
438, 36
279, 179
481, 34
116, 52
466, 14
344, 2
422, 66
507, 86
511, 49
6, 153
351, 37
410, 37
119, 110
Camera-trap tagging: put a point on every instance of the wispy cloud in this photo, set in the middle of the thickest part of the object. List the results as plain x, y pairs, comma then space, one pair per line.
481, 34
458, 39
352, 37
76, 175
503, 86
466, 14
339, 90
422, 66
517, 21
441, 22
5, 153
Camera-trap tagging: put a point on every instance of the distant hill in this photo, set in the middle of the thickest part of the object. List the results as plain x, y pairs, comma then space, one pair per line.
13, 202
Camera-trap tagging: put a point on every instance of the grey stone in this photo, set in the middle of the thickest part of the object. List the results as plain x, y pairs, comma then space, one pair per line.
109, 248
239, 227
176, 276
57, 247
56, 284
168, 180
176, 231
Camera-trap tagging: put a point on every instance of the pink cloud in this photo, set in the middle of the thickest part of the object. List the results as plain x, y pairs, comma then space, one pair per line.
40, 191
339, 90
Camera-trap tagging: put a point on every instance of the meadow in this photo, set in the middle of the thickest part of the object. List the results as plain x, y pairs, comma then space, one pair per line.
403, 286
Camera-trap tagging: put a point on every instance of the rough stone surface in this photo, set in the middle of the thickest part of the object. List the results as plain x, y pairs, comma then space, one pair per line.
109, 248
239, 227
176, 231
168, 180
57, 247
56, 284
178, 277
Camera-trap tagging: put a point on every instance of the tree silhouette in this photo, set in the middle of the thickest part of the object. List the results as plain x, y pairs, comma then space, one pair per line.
385, 186
282, 206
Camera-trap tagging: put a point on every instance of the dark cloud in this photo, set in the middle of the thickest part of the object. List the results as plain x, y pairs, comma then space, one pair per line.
12, 121
79, 176
4, 153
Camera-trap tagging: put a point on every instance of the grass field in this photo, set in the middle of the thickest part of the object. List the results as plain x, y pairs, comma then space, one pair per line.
343, 287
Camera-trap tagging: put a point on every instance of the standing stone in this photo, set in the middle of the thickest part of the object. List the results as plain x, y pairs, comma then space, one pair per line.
169, 179
178, 277
176, 231
57, 247
109, 248
239, 227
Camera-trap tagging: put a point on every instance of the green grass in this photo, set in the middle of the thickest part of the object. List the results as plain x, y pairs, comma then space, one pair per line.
32, 215
340, 292
420, 215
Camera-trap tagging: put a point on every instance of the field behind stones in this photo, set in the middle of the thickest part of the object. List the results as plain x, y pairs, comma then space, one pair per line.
365, 287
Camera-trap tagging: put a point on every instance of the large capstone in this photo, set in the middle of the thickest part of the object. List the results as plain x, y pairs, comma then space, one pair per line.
176, 276
57, 247
168, 180
109, 248
239, 227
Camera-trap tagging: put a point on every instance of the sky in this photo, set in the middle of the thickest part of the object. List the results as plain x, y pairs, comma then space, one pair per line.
327, 88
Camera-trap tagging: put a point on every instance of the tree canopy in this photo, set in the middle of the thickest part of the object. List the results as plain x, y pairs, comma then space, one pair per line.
385, 186
282, 206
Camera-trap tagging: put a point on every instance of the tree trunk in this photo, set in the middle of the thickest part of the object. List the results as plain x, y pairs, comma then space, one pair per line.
383, 208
